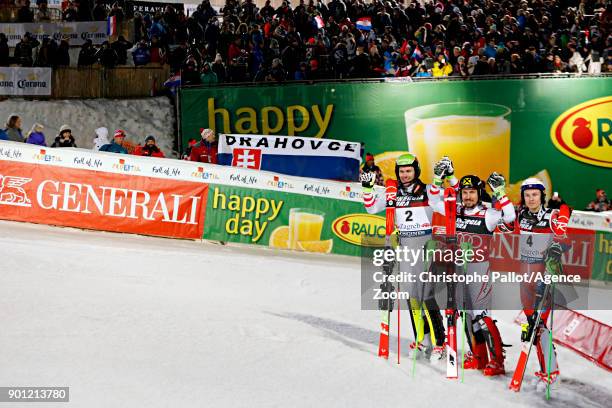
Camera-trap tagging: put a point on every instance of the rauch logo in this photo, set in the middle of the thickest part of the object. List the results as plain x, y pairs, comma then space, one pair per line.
360, 229
584, 132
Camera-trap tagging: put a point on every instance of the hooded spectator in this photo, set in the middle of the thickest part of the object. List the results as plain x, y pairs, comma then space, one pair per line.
36, 136
87, 55
13, 128
121, 46
149, 149
65, 138
101, 138
107, 56
116, 146
208, 76
205, 151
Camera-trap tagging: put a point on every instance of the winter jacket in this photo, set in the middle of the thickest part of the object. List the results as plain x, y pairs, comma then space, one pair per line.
113, 147
208, 78
101, 138
3, 135
204, 152
64, 143
36, 138
152, 151
141, 56
14, 134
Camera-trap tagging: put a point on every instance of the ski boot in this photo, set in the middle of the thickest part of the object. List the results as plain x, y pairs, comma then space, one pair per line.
420, 351
477, 360
494, 368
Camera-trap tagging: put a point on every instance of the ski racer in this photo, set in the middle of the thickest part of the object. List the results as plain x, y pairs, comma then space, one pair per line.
415, 205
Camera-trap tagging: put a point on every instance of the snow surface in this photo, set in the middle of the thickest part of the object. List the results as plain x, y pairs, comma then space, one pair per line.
130, 321
138, 117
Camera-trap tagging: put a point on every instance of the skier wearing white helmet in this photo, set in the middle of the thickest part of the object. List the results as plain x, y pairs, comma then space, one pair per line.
542, 231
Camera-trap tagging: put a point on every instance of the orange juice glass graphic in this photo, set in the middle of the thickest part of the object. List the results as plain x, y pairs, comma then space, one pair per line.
304, 225
476, 136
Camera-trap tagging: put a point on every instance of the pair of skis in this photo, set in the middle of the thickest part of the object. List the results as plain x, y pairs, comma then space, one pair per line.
383, 343
559, 226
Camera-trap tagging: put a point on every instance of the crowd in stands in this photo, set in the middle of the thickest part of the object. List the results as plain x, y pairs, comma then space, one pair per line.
309, 40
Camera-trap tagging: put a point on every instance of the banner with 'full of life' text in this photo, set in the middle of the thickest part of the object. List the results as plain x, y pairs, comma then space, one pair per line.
101, 201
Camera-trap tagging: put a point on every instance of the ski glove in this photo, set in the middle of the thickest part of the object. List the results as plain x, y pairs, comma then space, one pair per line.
367, 181
439, 173
498, 184
450, 170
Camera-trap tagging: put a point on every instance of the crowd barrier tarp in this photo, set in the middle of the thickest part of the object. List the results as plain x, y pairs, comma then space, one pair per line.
558, 129
17, 81
297, 156
586, 336
75, 32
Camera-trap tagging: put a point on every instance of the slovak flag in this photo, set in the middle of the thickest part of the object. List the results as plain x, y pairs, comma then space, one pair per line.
364, 23
320, 22
111, 26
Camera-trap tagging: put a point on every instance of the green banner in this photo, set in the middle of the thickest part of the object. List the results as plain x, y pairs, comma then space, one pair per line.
557, 129
289, 221
602, 259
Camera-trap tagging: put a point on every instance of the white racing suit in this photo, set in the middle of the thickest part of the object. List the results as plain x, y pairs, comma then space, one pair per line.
415, 205
475, 227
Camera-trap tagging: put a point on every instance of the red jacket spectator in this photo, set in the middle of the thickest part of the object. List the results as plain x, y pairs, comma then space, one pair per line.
205, 151
149, 149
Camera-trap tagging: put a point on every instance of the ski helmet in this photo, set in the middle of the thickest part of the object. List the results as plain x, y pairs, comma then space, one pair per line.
408, 159
471, 181
533, 183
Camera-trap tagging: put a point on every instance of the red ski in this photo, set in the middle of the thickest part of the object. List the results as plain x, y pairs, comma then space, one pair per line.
390, 196
450, 208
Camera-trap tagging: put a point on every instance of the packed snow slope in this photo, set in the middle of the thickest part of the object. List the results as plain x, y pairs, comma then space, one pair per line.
129, 321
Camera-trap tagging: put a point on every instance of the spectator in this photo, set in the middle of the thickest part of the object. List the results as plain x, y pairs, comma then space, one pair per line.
441, 68
594, 61
42, 14
601, 202
100, 11
25, 14
87, 55
101, 138
62, 58
36, 136
423, 72
370, 167
141, 55
460, 68
65, 138
107, 56
121, 46
83, 10
158, 51
71, 13
218, 68
361, 64
13, 128
277, 72
4, 51
46, 54
208, 76
190, 143
205, 151
116, 146
190, 74
149, 149
23, 50
3, 135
